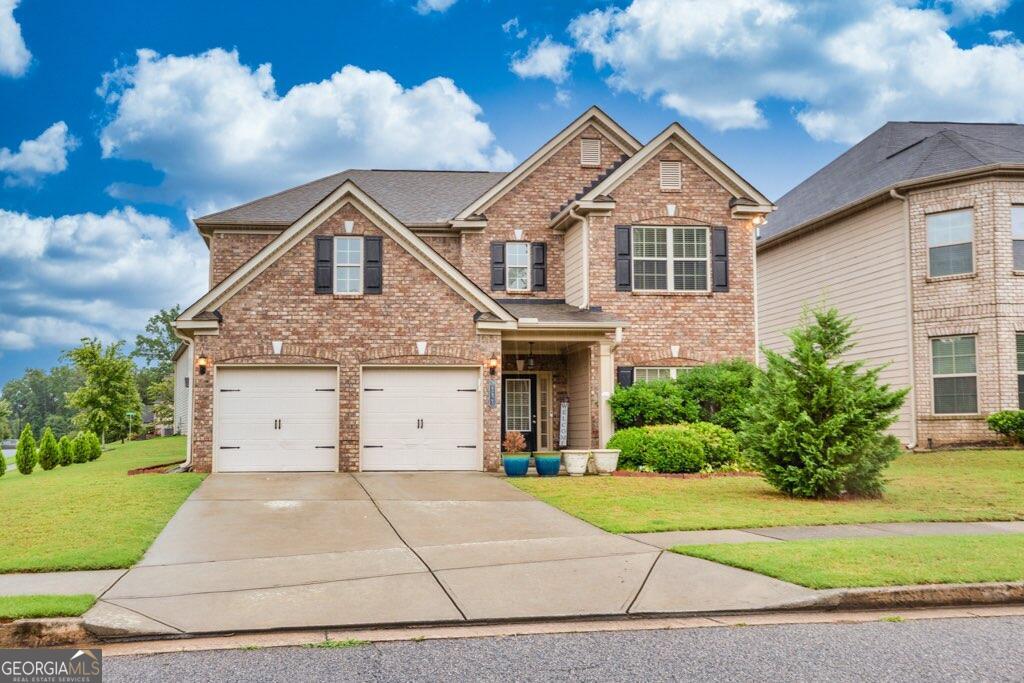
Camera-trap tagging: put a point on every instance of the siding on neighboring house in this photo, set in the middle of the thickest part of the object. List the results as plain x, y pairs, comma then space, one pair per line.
859, 265
182, 394
578, 371
575, 272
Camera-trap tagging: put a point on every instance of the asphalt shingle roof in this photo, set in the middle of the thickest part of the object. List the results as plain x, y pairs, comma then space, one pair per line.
896, 152
413, 197
552, 312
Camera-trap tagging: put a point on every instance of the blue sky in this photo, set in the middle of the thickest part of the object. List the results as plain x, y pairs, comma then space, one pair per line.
120, 120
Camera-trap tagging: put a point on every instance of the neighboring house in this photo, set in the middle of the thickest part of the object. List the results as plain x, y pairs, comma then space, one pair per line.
918, 233
403, 320
182, 388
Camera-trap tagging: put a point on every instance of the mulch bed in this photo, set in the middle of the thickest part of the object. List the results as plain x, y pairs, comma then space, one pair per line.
684, 475
154, 469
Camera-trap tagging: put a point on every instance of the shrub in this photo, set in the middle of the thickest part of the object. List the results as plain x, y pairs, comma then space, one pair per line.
1009, 423
80, 452
673, 448
48, 451
514, 442
721, 447
25, 455
65, 451
95, 449
815, 422
720, 390
630, 442
651, 403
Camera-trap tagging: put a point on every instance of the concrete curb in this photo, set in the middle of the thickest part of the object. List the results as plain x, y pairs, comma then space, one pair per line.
929, 595
44, 632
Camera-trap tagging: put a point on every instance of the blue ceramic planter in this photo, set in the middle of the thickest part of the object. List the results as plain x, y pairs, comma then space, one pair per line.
515, 465
548, 465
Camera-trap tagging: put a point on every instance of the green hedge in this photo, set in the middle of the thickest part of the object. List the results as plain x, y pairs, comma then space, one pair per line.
676, 448
1009, 423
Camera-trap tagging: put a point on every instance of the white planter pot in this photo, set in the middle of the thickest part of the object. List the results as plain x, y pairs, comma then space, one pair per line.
576, 462
606, 460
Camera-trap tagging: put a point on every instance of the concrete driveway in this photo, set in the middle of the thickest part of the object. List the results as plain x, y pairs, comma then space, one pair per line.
261, 551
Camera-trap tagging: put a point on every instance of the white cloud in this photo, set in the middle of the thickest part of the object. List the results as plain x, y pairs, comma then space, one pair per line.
91, 275
562, 97
1000, 35
845, 67
545, 59
221, 134
428, 6
14, 55
971, 9
512, 27
42, 156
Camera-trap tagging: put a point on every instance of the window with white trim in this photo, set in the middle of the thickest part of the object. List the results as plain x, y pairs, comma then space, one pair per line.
1020, 371
348, 265
954, 375
950, 243
671, 175
1017, 231
517, 266
680, 252
590, 152
653, 374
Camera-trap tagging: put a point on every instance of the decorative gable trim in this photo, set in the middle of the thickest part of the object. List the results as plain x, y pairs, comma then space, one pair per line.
593, 116
347, 193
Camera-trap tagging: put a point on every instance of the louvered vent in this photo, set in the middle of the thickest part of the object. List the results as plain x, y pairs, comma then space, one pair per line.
671, 175
590, 152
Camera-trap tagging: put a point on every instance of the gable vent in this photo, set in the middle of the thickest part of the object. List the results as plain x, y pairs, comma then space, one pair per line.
590, 152
671, 175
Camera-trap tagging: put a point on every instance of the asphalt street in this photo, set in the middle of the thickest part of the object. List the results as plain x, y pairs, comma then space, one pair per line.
980, 649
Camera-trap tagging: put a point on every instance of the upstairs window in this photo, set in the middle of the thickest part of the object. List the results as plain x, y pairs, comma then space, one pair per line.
670, 259
517, 264
671, 175
590, 152
1017, 230
950, 243
348, 265
954, 375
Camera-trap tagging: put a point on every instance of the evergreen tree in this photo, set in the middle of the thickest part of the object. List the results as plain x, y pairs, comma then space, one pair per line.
80, 448
49, 453
95, 448
815, 422
25, 455
65, 450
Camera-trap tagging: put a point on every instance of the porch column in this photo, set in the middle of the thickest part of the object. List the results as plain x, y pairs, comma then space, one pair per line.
606, 385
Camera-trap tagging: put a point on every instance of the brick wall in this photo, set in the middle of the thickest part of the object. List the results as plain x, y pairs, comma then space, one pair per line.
279, 304
229, 250
988, 303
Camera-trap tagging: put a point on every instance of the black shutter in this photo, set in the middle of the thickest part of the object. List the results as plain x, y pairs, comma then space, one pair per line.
624, 375
322, 277
719, 260
372, 265
623, 266
498, 266
539, 252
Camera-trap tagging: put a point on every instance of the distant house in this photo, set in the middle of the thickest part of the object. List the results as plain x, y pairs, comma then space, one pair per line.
182, 388
918, 232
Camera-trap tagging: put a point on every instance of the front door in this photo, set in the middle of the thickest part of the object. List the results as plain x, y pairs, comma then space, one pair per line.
519, 408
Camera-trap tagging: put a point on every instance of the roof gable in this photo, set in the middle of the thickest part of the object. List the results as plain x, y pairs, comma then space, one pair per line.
347, 193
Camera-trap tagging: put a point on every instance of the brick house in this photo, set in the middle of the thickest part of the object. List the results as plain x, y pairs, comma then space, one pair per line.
918, 233
403, 320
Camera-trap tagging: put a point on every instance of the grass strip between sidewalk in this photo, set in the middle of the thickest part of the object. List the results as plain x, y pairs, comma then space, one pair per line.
873, 562
43, 606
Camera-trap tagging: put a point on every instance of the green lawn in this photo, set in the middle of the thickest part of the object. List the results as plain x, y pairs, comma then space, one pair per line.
898, 561
947, 486
39, 606
90, 515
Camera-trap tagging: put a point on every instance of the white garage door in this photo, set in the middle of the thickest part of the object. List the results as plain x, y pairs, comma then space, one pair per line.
421, 419
276, 420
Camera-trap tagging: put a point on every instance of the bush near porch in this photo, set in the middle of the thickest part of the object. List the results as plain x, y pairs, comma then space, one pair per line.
697, 447
975, 485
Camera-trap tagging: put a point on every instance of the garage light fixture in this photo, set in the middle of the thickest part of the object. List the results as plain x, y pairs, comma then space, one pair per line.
492, 364
202, 362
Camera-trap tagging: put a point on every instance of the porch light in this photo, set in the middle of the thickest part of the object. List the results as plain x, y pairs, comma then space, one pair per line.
492, 364
202, 362
529, 359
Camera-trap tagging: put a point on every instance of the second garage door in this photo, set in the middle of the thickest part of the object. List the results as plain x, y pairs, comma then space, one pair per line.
421, 419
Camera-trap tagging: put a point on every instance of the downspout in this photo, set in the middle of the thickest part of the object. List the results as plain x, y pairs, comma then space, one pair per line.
909, 283
189, 343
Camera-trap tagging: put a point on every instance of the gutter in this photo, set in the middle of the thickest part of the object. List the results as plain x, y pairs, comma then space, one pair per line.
188, 342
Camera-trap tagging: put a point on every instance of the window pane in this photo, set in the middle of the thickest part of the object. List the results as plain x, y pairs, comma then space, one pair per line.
1020, 353
1017, 222
649, 243
691, 276
517, 405
518, 278
348, 251
348, 280
650, 275
1018, 254
517, 253
956, 395
1020, 391
690, 243
651, 374
952, 227
951, 260
953, 355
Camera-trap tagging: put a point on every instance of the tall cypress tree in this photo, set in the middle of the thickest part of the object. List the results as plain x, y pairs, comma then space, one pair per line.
49, 453
25, 455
